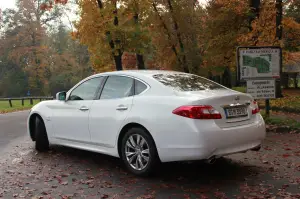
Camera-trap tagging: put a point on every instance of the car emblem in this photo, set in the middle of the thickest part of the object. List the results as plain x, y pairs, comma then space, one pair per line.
237, 98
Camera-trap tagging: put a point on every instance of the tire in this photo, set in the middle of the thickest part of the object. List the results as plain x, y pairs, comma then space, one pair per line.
140, 151
41, 138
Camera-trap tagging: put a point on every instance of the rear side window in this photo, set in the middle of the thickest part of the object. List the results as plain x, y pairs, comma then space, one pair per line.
187, 82
139, 87
117, 87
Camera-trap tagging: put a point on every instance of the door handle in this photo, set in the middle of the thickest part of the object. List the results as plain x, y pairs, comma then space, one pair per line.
122, 108
84, 108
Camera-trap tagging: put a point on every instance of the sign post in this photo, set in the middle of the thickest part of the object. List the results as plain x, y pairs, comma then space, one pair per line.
260, 68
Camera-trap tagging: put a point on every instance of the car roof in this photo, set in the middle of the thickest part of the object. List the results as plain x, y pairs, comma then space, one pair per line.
144, 75
140, 73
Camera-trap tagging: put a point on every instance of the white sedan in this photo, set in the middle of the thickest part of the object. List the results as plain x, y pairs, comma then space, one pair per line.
147, 117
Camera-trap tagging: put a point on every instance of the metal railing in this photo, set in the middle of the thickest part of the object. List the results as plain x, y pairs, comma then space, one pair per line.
22, 99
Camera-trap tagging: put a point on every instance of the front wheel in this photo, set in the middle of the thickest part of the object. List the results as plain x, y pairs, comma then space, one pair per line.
41, 138
139, 152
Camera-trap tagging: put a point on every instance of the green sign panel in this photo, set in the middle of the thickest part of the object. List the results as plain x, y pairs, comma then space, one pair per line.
259, 62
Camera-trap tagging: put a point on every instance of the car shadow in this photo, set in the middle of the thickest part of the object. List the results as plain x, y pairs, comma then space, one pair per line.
225, 172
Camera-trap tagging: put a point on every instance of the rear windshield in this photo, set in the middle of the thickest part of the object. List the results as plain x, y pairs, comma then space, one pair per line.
186, 82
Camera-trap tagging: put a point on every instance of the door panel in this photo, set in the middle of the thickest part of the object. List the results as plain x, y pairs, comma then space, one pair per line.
108, 114
71, 123
70, 118
106, 118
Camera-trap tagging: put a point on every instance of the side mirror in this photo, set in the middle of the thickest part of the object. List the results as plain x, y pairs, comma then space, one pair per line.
61, 96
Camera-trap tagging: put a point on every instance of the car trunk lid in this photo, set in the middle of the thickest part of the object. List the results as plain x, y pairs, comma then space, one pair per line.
234, 107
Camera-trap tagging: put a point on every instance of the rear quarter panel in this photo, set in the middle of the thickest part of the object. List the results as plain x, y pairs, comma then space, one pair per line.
155, 114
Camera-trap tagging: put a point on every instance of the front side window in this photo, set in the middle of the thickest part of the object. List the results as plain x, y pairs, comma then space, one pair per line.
187, 82
87, 90
117, 87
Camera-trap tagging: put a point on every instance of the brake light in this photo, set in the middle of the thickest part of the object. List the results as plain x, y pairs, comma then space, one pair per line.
255, 111
256, 108
198, 112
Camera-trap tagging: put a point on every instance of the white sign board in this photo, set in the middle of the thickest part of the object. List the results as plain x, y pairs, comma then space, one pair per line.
261, 89
259, 63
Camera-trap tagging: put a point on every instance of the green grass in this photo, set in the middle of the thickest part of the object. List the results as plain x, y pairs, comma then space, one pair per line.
273, 120
16, 105
280, 121
240, 89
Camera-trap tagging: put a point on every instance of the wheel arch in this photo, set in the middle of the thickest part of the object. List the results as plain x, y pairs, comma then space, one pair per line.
32, 129
125, 129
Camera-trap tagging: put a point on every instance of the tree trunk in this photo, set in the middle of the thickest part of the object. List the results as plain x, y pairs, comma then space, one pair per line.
226, 78
254, 6
210, 75
168, 34
117, 58
295, 80
140, 61
139, 57
184, 61
118, 62
285, 80
279, 12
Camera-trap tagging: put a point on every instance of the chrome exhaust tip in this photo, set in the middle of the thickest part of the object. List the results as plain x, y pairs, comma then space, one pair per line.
211, 160
256, 148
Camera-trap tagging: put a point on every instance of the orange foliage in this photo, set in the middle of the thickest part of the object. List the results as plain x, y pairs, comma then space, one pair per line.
49, 5
263, 28
237, 6
223, 27
129, 60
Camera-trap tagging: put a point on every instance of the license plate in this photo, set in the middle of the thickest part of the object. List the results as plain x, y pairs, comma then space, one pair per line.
236, 112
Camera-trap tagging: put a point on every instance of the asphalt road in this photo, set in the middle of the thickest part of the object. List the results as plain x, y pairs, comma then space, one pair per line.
12, 130
62, 172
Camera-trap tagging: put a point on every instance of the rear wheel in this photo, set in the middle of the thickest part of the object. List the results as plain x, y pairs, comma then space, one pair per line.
139, 152
41, 138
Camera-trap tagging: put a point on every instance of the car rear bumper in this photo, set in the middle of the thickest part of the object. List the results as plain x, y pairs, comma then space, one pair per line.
213, 141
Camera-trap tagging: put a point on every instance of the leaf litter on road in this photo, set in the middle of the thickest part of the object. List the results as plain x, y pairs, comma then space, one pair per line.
272, 172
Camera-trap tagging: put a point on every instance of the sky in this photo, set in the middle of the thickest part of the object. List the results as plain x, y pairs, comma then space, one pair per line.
11, 4
7, 4
4, 4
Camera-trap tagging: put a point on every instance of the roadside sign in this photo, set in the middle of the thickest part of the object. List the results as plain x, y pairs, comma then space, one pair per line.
259, 62
262, 89
261, 68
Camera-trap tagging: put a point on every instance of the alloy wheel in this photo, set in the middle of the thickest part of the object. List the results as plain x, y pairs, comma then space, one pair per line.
137, 152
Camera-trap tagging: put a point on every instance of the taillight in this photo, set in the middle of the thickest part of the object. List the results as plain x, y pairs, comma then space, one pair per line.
198, 112
255, 109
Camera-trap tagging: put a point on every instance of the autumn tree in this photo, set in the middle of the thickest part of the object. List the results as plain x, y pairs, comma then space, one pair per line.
225, 21
110, 30
181, 35
25, 31
264, 31
292, 9
37, 54
137, 11
13, 80
69, 60
176, 29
